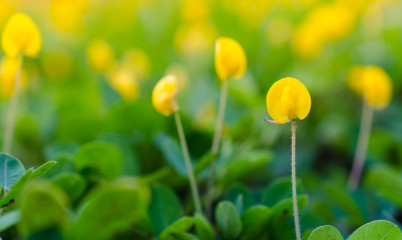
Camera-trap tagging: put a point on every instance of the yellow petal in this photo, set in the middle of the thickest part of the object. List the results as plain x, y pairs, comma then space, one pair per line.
164, 95
100, 56
125, 83
230, 59
287, 99
21, 36
8, 70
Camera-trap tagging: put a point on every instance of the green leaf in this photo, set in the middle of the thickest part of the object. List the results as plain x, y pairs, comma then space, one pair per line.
284, 209
203, 163
255, 221
110, 209
325, 233
11, 169
9, 219
377, 230
183, 236
43, 169
100, 158
72, 183
171, 152
16, 189
165, 208
228, 220
183, 225
43, 205
277, 191
203, 228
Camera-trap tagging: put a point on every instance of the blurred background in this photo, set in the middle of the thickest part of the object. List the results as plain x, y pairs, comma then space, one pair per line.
100, 60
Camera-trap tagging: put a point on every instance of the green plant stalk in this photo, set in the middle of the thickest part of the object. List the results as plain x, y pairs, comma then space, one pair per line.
362, 145
215, 146
11, 112
294, 188
193, 183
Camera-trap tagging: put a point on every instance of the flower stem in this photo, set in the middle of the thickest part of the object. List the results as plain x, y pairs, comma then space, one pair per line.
12, 110
294, 189
215, 146
362, 145
193, 184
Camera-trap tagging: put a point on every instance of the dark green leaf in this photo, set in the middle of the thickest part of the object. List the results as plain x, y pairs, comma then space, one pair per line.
284, 209
255, 221
203, 228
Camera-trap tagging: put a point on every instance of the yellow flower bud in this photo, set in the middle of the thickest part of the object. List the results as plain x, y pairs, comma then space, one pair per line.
21, 36
288, 99
164, 95
100, 56
124, 82
230, 59
373, 83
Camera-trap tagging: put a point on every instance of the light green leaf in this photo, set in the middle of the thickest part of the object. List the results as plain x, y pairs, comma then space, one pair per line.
165, 208
9, 219
16, 189
203, 228
99, 158
377, 230
183, 225
11, 169
228, 220
325, 233
43, 169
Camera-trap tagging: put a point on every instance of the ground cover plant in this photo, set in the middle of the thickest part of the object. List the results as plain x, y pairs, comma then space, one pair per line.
201, 119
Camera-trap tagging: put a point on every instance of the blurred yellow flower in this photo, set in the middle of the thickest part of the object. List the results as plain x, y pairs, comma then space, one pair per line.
230, 59
100, 56
68, 15
288, 99
306, 42
253, 13
8, 70
21, 36
195, 38
373, 83
195, 10
180, 72
138, 61
125, 83
164, 95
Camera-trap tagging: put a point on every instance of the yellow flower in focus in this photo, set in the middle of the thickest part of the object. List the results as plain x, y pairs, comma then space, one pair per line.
21, 36
288, 99
8, 70
373, 83
100, 56
230, 59
138, 61
124, 82
164, 95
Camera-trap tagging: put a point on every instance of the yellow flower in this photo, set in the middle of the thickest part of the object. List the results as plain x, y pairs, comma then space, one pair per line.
164, 95
21, 36
287, 100
230, 59
8, 69
373, 83
194, 38
68, 15
100, 56
124, 82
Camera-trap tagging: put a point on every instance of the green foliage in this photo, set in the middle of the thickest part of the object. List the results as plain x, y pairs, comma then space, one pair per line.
43, 169
99, 158
165, 208
203, 228
325, 233
72, 183
16, 189
255, 221
377, 230
11, 170
183, 225
9, 219
228, 220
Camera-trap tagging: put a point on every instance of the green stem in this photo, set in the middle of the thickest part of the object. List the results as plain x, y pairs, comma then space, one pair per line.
193, 184
362, 145
294, 189
215, 146
11, 112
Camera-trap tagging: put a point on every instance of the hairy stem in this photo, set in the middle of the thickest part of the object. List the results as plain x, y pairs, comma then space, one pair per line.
12, 110
215, 146
294, 188
193, 183
361, 149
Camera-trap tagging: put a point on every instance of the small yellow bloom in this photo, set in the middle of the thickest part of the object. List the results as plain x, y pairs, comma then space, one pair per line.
124, 82
21, 36
287, 100
100, 56
8, 70
373, 83
164, 95
230, 59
